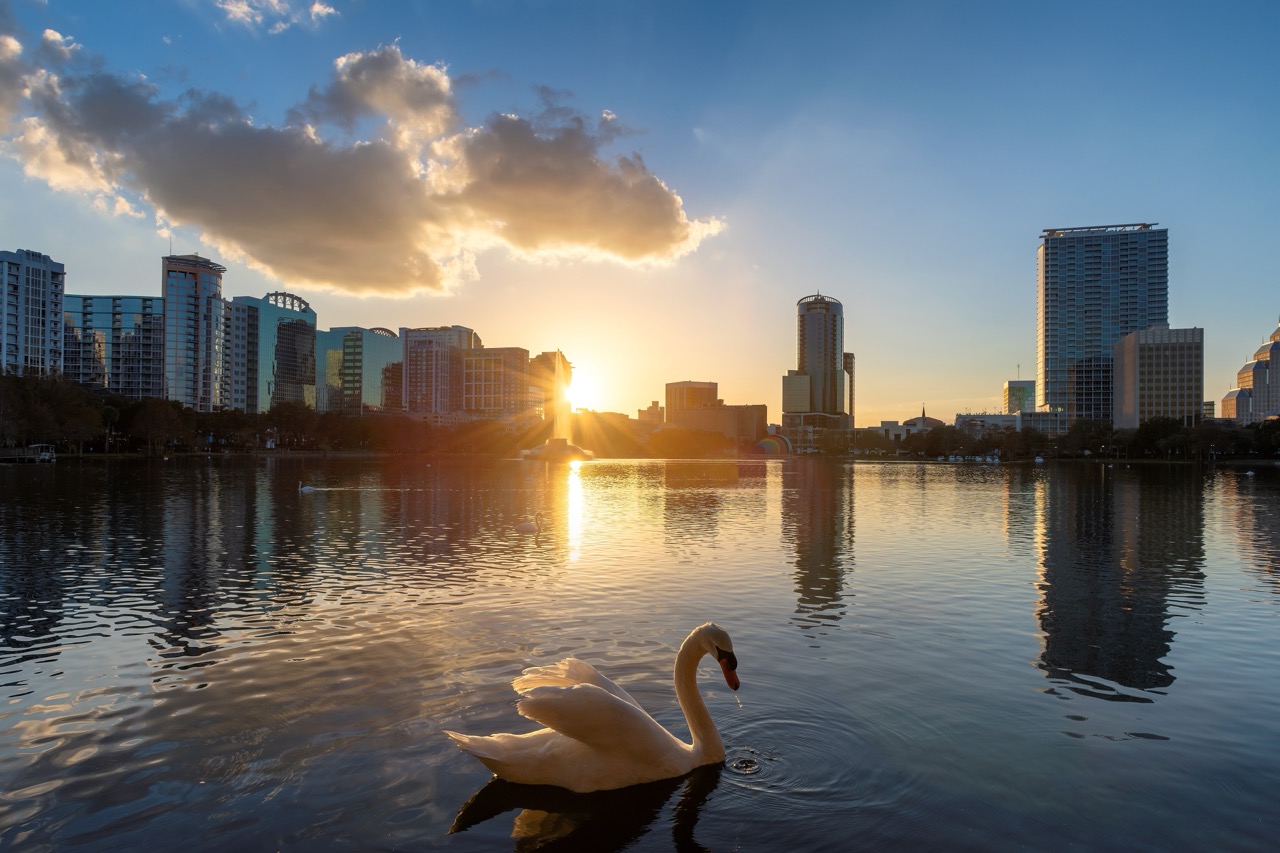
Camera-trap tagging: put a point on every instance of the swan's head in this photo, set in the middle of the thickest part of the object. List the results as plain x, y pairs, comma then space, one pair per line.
718, 644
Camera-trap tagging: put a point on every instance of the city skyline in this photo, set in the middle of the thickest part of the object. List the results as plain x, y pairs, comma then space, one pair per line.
903, 160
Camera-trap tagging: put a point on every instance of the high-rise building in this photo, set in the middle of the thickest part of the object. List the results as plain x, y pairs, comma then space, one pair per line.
1019, 396
352, 370
115, 343
850, 363
1096, 285
813, 393
195, 332
495, 382
270, 352
240, 351
690, 394
1159, 373
1256, 396
432, 373
31, 331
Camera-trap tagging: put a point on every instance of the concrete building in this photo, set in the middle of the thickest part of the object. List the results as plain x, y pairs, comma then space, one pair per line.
850, 364
743, 424
31, 336
981, 424
655, 414
115, 343
495, 383
195, 332
354, 370
1095, 285
690, 395
1158, 373
1256, 396
432, 372
1019, 396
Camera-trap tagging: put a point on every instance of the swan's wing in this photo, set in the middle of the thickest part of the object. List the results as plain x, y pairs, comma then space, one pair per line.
567, 673
593, 715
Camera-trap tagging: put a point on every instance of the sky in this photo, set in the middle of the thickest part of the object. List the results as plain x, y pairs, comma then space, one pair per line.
650, 187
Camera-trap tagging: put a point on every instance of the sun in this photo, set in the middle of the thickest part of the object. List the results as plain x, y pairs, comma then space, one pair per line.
585, 391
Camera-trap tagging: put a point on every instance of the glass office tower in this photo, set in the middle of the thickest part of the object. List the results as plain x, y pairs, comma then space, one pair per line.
817, 385
1096, 285
194, 332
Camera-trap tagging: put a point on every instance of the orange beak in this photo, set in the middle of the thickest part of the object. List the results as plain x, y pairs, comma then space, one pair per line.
728, 665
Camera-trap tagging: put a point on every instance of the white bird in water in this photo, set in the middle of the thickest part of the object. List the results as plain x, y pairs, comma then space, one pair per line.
534, 526
597, 737
305, 489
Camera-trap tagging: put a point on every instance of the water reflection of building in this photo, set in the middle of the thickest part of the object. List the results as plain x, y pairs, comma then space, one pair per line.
818, 523
1254, 508
1023, 492
1121, 550
693, 495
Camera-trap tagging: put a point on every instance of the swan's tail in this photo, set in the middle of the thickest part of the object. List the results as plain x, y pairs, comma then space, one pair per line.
478, 746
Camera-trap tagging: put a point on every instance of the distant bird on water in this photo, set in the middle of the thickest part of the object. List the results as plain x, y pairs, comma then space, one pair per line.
534, 526
305, 489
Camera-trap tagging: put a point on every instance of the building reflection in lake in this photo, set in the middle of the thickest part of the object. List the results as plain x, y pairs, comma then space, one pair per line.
818, 524
1122, 554
1254, 506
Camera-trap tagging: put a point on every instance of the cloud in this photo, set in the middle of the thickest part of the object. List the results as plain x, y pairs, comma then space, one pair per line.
372, 185
276, 15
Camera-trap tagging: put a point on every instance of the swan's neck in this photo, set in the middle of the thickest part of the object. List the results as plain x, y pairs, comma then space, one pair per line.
706, 738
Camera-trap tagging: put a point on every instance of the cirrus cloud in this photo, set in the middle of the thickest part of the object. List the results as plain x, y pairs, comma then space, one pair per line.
372, 184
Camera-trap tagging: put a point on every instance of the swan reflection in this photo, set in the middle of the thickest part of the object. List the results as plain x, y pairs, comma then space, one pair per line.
552, 818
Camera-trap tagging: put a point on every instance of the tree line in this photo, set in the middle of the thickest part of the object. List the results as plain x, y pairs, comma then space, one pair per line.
54, 410
1156, 439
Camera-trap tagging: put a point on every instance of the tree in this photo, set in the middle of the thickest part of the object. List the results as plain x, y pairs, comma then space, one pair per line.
1086, 437
156, 421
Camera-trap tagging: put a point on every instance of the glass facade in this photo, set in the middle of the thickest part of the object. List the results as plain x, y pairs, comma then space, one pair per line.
195, 331
274, 347
354, 370
819, 356
115, 343
1095, 285
31, 326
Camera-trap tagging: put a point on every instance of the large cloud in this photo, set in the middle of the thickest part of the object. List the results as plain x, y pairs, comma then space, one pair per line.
399, 199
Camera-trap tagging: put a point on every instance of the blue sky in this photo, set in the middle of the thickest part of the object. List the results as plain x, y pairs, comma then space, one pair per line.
902, 157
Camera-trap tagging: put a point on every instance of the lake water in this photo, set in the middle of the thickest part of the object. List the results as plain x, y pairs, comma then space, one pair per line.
196, 656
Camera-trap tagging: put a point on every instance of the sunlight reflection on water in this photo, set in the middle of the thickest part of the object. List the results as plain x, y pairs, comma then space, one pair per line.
194, 650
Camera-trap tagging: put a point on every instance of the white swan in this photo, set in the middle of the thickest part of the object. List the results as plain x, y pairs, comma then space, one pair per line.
534, 526
597, 737
305, 489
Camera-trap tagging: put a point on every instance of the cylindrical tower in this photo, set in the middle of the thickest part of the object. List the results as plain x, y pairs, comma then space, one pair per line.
820, 351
